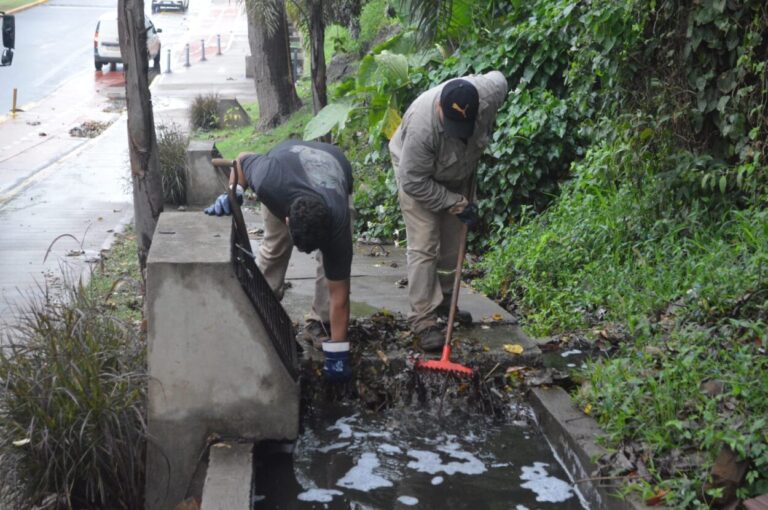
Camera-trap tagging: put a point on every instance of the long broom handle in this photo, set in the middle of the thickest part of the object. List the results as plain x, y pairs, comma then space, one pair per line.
223, 163
455, 294
457, 278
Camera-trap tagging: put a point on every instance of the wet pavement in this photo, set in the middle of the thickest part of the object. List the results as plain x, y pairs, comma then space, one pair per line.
54, 185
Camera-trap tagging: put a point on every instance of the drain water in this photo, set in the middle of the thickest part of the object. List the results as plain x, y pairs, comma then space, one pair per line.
402, 458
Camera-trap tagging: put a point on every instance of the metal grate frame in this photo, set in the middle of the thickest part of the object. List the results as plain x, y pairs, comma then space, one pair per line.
276, 321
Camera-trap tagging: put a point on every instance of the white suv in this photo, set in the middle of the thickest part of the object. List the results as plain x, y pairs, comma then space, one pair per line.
181, 5
106, 42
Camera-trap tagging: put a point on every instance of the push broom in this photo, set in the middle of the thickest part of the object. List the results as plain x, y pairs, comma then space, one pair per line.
444, 364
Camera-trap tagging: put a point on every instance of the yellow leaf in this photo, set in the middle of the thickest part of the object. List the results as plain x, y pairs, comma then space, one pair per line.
391, 122
588, 409
496, 317
513, 348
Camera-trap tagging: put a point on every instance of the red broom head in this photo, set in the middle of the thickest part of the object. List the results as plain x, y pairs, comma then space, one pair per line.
444, 366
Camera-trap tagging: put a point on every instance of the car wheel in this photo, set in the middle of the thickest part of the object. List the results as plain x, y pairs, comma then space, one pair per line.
156, 61
98, 65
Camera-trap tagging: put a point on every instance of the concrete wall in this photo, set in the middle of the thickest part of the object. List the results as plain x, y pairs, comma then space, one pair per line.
204, 182
212, 366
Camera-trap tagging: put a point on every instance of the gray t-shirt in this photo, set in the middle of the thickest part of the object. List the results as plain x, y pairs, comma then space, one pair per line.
296, 168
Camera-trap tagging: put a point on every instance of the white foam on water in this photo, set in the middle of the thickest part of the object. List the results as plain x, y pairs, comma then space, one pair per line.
437, 480
334, 446
572, 352
385, 435
408, 500
390, 448
319, 495
547, 488
521, 507
431, 463
361, 477
343, 426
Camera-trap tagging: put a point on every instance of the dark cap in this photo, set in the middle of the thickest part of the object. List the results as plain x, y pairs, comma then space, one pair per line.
459, 101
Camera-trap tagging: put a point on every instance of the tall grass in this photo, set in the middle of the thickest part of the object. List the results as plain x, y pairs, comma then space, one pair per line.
72, 407
172, 145
204, 113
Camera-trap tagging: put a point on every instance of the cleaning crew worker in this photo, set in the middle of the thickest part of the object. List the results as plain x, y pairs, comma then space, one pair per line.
435, 153
304, 188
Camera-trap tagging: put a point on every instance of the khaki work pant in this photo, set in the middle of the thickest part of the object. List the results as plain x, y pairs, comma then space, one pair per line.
274, 255
433, 248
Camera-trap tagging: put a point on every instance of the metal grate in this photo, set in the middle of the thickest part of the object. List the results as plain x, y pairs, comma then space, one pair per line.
273, 316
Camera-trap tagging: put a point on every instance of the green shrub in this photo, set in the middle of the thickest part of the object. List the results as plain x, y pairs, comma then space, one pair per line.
338, 40
373, 17
203, 114
623, 244
172, 145
378, 209
72, 415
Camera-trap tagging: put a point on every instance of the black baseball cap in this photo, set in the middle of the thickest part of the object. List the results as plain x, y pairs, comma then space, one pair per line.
459, 101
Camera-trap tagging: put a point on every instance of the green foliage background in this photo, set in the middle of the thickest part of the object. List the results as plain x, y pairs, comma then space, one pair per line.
625, 184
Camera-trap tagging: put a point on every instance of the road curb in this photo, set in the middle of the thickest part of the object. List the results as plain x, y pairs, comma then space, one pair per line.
573, 436
25, 7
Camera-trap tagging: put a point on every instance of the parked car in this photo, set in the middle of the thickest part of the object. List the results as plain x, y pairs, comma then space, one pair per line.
106, 42
181, 5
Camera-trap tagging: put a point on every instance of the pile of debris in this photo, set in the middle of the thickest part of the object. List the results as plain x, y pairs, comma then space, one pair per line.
89, 129
384, 355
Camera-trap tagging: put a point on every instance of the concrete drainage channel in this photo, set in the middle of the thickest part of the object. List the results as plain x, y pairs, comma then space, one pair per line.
225, 403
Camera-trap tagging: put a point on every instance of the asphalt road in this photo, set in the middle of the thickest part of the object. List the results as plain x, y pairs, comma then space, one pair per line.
54, 41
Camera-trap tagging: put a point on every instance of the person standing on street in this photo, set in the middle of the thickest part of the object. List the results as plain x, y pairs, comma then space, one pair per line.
304, 188
435, 153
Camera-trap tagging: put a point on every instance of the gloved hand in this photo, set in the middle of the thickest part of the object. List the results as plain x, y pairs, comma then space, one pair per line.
336, 367
458, 206
469, 216
221, 206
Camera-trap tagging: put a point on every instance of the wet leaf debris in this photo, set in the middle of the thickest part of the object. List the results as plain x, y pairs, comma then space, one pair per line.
384, 355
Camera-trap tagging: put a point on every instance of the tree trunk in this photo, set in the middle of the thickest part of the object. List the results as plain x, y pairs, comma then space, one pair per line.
142, 143
271, 56
316, 44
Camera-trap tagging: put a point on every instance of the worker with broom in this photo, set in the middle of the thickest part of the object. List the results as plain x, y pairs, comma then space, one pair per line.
435, 153
304, 188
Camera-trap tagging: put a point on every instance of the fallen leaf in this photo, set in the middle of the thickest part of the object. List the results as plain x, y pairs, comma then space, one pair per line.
496, 317
657, 498
21, 442
587, 408
514, 348
383, 357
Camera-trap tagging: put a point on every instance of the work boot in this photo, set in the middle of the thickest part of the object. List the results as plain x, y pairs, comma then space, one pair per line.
431, 339
315, 333
462, 317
